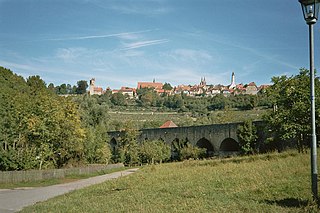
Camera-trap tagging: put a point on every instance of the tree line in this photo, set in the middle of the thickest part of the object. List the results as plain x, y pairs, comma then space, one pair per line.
68, 89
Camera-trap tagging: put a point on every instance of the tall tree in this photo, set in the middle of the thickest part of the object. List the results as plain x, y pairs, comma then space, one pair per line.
63, 89
290, 120
247, 134
51, 87
82, 87
127, 150
94, 118
118, 99
167, 86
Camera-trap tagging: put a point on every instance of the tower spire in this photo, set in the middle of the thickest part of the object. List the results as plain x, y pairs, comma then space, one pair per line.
233, 81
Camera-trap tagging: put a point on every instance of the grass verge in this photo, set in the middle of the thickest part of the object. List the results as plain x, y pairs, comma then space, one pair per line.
49, 182
262, 183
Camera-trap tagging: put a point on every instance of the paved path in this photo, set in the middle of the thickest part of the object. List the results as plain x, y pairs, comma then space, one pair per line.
13, 200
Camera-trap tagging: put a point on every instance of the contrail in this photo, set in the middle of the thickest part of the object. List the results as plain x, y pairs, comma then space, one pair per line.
98, 36
139, 44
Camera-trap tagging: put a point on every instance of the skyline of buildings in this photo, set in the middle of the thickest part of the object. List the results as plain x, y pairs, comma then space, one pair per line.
191, 90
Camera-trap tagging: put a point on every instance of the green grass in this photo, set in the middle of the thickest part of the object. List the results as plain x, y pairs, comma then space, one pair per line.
263, 183
49, 182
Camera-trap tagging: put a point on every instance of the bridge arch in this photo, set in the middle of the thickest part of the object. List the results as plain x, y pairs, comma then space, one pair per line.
206, 144
113, 142
229, 145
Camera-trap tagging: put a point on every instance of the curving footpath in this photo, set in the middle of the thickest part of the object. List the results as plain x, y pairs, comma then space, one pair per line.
13, 200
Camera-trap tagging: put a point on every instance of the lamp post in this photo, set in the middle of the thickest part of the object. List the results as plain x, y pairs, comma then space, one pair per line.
310, 9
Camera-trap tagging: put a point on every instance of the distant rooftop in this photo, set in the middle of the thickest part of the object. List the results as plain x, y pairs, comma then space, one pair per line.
168, 124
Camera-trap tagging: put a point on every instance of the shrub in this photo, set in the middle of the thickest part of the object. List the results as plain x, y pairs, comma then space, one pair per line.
155, 151
247, 135
190, 151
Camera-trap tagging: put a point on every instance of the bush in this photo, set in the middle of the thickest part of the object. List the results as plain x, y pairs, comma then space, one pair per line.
190, 151
247, 135
155, 151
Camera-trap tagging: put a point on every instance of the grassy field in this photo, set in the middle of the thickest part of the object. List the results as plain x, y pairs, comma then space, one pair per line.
264, 183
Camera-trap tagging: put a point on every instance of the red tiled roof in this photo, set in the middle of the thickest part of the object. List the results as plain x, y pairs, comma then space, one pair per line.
183, 87
149, 85
97, 89
252, 84
264, 86
160, 90
127, 89
168, 124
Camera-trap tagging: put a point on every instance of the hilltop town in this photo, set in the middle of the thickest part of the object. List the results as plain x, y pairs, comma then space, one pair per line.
196, 90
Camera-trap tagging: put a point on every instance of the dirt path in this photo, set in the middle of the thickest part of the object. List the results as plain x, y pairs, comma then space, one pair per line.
13, 200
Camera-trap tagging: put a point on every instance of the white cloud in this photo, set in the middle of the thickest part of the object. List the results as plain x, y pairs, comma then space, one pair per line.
140, 44
17, 66
149, 8
70, 54
189, 55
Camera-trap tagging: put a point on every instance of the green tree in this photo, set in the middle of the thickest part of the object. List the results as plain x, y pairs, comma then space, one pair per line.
82, 87
190, 151
74, 89
118, 99
174, 102
289, 122
127, 150
167, 86
51, 87
247, 135
96, 147
218, 102
176, 147
63, 89
95, 119
38, 129
69, 89
155, 151
148, 98
36, 84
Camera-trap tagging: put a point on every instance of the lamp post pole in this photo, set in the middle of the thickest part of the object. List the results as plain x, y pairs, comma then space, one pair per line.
310, 9
314, 169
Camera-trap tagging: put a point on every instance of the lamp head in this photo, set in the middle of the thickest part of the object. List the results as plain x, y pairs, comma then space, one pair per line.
310, 9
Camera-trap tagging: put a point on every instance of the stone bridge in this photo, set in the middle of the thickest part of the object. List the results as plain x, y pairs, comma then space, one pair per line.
215, 138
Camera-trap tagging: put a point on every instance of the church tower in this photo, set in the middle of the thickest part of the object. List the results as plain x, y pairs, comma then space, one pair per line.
203, 82
91, 87
233, 82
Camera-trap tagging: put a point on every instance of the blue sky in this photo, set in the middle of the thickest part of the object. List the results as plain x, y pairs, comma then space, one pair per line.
121, 42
